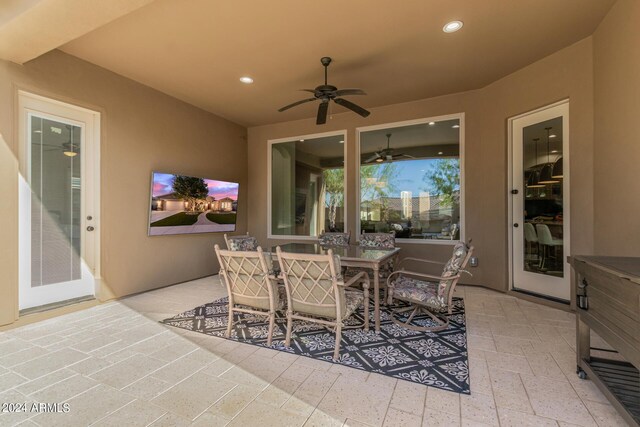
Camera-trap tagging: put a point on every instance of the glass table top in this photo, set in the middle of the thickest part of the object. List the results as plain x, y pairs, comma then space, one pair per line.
354, 252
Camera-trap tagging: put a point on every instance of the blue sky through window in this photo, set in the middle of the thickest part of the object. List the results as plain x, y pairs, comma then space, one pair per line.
410, 176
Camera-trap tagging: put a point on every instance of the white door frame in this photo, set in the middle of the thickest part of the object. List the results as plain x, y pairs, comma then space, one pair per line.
560, 108
89, 121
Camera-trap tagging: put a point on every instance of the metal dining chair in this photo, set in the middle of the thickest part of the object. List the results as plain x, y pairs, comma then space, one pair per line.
251, 286
316, 292
428, 294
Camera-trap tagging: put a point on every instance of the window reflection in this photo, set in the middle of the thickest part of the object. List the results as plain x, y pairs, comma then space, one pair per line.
410, 181
307, 186
543, 211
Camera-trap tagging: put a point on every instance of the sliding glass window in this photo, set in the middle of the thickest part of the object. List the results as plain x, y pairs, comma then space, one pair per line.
307, 186
410, 180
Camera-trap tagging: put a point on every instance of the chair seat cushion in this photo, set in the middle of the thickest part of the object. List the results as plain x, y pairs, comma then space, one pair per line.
334, 239
378, 240
419, 292
243, 243
353, 300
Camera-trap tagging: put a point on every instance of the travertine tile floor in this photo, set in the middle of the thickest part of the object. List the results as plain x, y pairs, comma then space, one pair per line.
116, 366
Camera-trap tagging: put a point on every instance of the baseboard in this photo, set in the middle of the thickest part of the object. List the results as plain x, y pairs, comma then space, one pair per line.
541, 299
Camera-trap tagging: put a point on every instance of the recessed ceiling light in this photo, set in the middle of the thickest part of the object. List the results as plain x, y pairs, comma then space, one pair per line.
554, 151
246, 80
452, 27
301, 140
440, 153
455, 126
552, 136
432, 123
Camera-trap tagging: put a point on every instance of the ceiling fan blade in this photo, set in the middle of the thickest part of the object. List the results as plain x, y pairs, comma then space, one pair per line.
308, 90
372, 158
342, 92
286, 107
397, 156
323, 108
351, 106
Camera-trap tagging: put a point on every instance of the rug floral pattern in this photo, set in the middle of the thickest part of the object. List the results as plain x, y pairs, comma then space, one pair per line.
437, 359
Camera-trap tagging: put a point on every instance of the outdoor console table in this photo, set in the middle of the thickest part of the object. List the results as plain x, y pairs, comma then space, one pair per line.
607, 291
352, 256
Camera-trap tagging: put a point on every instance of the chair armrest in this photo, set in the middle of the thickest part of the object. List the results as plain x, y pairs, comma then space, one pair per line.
357, 278
413, 273
419, 260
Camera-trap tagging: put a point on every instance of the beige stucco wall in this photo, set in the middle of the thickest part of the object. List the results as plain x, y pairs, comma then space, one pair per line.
8, 233
565, 74
142, 130
617, 144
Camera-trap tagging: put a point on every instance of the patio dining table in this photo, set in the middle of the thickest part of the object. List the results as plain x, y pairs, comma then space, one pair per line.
352, 256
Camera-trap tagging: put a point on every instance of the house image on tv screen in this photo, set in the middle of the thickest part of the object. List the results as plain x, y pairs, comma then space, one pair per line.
183, 204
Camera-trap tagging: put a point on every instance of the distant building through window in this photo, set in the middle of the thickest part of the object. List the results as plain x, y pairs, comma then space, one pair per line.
410, 180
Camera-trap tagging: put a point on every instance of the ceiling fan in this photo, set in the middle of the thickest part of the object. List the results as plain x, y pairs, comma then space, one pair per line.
326, 93
386, 154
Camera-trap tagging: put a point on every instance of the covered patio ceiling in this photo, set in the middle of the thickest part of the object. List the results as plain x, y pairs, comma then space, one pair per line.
395, 51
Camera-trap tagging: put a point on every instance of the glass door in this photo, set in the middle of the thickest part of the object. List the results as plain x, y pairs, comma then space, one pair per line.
540, 231
56, 222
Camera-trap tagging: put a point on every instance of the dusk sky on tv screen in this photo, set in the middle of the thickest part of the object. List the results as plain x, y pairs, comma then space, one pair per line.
219, 189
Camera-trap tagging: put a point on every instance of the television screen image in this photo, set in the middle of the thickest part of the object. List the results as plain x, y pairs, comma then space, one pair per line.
183, 204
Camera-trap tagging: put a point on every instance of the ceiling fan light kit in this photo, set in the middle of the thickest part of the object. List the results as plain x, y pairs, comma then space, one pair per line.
326, 93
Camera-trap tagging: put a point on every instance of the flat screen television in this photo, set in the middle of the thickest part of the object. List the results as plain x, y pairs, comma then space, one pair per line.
182, 204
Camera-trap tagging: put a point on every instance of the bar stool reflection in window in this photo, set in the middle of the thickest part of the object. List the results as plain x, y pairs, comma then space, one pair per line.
546, 241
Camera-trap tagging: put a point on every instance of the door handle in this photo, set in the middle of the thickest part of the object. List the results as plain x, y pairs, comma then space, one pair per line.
516, 225
90, 228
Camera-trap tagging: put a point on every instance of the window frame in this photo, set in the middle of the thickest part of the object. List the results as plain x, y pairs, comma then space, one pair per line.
270, 144
392, 125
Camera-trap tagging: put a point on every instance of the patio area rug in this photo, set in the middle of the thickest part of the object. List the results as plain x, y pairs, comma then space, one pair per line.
436, 359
